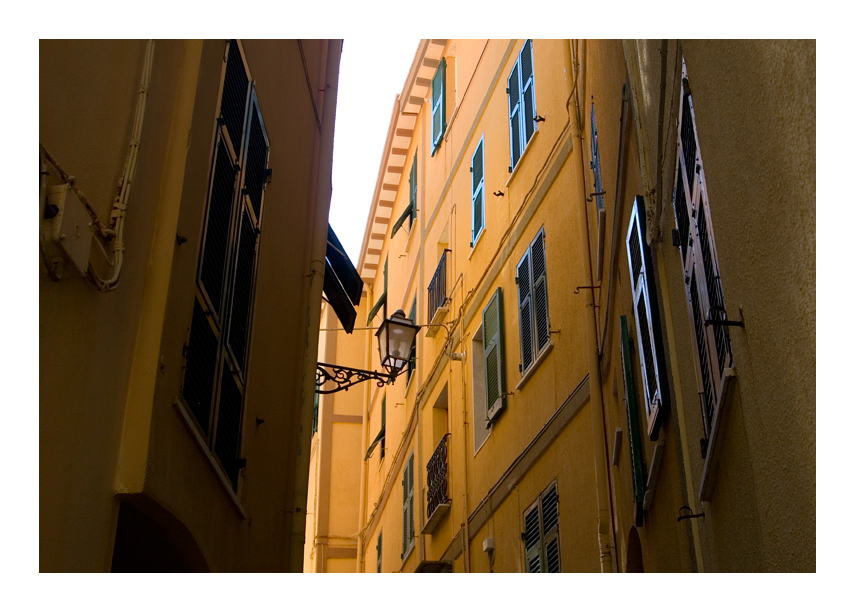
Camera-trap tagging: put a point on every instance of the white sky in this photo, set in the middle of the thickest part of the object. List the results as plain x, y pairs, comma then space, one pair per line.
363, 110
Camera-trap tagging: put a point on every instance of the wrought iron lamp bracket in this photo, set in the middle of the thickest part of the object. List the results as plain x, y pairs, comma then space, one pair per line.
344, 377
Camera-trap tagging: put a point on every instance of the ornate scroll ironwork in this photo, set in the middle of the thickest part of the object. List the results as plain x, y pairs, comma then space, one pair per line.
437, 471
344, 377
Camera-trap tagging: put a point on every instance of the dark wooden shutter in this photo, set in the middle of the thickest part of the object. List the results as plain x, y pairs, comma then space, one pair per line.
227, 441
200, 366
645, 310
635, 441
233, 103
494, 354
243, 291
539, 292
527, 80
524, 306
218, 223
438, 105
550, 515
478, 190
379, 551
256, 161
514, 113
532, 540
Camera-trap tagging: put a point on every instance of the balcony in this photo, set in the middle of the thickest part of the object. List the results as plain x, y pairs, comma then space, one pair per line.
437, 298
438, 500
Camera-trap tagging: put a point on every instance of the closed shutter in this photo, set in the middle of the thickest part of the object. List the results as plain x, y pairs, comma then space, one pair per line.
438, 105
524, 306
200, 366
494, 354
527, 80
514, 113
413, 191
532, 540
550, 515
408, 529
233, 103
704, 293
539, 292
411, 361
227, 442
242, 297
647, 319
478, 190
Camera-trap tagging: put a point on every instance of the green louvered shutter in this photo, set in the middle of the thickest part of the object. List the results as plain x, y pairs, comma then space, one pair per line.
381, 302
527, 99
478, 191
408, 531
494, 354
413, 191
532, 540
379, 551
539, 292
438, 106
647, 319
550, 517
514, 113
524, 307
634, 440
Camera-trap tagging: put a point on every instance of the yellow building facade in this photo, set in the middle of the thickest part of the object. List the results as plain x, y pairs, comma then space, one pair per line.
179, 312
598, 383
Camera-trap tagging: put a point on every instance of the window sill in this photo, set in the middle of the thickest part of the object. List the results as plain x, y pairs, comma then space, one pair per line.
522, 155
212, 461
528, 374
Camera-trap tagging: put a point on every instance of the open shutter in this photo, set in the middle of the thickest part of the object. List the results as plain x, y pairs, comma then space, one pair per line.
524, 306
494, 355
638, 468
527, 80
408, 532
379, 551
532, 540
478, 190
200, 365
227, 442
380, 439
514, 113
381, 302
647, 319
438, 105
539, 292
411, 360
595, 162
233, 103
407, 214
550, 515
704, 293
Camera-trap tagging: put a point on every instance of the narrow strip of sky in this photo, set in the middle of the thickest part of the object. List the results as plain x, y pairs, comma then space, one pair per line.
371, 74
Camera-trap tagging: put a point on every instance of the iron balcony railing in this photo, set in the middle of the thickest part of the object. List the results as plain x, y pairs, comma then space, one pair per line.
437, 287
437, 471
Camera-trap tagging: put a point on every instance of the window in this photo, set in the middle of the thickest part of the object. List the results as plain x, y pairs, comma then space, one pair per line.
477, 170
379, 551
541, 538
705, 300
648, 335
216, 353
410, 212
532, 302
494, 355
381, 302
411, 362
408, 523
438, 106
521, 103
380, 439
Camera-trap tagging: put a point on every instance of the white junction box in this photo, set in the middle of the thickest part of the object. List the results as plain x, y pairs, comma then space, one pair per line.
67, 235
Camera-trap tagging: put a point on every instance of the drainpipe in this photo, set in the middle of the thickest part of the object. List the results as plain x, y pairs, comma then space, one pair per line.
361, 519
604, 511
317, 233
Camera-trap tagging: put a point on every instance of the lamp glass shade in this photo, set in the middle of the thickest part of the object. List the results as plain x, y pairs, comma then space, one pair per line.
395, 337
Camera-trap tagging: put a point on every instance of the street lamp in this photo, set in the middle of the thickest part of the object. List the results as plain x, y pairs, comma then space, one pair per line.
395, 338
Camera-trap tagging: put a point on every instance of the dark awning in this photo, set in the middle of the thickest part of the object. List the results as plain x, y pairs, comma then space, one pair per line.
342, 284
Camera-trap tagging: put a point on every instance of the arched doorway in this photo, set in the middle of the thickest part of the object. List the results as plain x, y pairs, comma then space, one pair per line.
151, 539
634, 553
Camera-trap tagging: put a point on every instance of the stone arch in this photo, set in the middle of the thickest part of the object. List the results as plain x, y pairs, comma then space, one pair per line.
151, 539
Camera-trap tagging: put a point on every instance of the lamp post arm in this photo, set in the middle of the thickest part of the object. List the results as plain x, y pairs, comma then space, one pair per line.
344, 377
